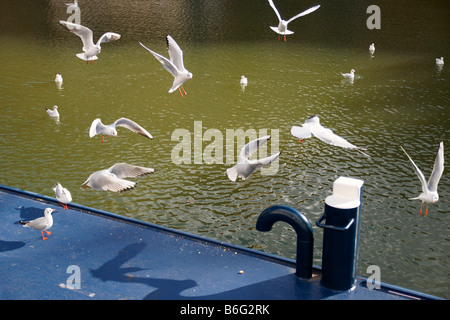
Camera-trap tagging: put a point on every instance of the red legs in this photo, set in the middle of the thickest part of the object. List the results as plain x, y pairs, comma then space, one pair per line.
64, 205
279, 37
42, 232
302, 140
426, 209
179, 89
103, 138
85, 186
284, 38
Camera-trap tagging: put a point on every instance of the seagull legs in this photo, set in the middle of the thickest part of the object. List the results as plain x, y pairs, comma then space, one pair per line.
42, 232
426, 209
64, 205
179, 89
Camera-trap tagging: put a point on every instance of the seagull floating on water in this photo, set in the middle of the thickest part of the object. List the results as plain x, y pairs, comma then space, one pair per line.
58, 80
282, 28
112, 178
245, 167
97, 127
63, 195
372, 48
53, 112
312, 127
429, 190
175, 65
350, 75
243, 81
90, 49
42, 223
440, 61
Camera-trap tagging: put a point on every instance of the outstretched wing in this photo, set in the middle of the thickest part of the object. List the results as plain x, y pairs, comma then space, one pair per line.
108, 37
83, 32
327, 136
133, 126
418, 172
252, 147
167, 64
175, 53
304, 13
438, 169
275, 9
125, 170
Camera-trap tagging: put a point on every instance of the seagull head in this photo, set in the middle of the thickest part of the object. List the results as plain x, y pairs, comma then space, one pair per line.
190, 75
435, 198
48, 211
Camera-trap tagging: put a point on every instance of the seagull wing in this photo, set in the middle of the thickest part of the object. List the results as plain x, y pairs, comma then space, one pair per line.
108, 37
124, 170
252, 147
175, 53
438, 169
133, 126
418, 172
83, 32
267, 160
275, 9
96, 127
304, 13
302, 132
167, 64
104, 180
327, 136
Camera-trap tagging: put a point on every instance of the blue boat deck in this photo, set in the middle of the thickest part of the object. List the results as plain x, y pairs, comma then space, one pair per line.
119, 258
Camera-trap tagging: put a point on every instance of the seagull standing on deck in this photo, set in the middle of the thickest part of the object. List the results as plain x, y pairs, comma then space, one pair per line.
312, 127
91, 49
63, 195
282, 28
42, 223
429, 190
175, 65
97, 127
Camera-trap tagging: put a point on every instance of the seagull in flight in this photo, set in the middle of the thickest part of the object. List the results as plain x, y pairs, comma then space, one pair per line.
97, 127
112, 179
429, 190
175, 65
282, 28
245, 167
312, 127
90, 49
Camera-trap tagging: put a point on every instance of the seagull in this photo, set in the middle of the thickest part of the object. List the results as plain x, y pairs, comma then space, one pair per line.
282, 28
58, 80
112, 178
42, 223
63, 195
245, 167
90, 49
53, 112
175, 65
97, 127
243, 81
440, 61
429, 190
350, 75
312, 127
372, 48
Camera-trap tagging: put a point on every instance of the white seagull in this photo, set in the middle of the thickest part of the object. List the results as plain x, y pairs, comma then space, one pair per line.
63, 195
58, 80
440, 61
112, 178
282, 28
90, 49
312, 127
97, 127
245, 167
175, 65
429, 190
372, 48
42, 223
243, 81
53, 112
350, 75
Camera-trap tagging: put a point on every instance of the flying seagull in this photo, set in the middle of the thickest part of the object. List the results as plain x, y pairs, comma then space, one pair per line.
245, 167
312, 127
175, 65
429, 190
282, 28
112, 178
97, 127
90, 49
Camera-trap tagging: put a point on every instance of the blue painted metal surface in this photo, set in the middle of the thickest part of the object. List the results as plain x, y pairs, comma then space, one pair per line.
121, 258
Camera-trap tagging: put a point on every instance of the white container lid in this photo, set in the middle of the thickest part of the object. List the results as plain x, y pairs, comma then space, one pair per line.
346, 193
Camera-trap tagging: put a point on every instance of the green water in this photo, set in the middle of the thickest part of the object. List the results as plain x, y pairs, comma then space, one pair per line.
399, 98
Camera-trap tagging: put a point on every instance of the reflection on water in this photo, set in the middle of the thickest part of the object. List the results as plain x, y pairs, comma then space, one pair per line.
399, 97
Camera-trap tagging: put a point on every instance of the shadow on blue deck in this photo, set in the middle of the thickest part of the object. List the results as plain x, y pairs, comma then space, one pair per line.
114, 257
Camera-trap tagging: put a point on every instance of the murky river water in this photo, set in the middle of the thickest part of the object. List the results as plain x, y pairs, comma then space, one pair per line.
399, 98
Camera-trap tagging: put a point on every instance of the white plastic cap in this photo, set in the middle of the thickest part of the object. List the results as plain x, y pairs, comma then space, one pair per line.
346, 193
